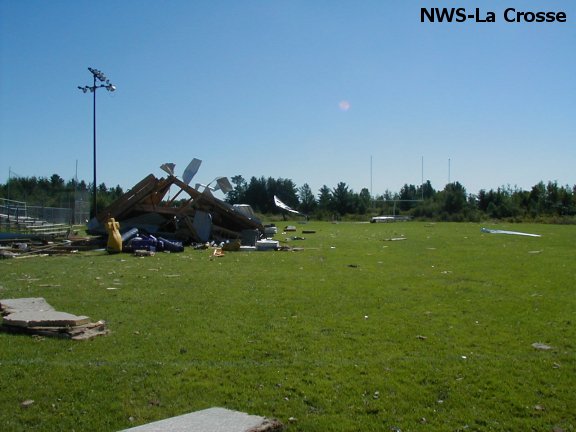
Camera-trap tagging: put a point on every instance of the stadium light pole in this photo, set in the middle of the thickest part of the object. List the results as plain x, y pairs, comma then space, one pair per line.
100, 77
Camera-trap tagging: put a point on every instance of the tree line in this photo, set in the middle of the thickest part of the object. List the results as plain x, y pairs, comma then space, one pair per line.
544, 201
56, 192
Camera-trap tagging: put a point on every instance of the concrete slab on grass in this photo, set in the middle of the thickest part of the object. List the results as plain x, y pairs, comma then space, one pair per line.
45, 319
35, 316
9, 306
212, 420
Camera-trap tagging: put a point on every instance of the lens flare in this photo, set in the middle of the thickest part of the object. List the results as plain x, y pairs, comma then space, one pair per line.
344, 105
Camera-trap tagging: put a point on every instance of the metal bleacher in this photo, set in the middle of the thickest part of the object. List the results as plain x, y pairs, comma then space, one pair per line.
15, 218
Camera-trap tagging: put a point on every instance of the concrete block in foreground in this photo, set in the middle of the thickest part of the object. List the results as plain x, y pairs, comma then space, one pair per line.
44, 319
212, 420
8, 306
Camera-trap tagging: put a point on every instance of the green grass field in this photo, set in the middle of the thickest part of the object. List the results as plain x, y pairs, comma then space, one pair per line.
353, 333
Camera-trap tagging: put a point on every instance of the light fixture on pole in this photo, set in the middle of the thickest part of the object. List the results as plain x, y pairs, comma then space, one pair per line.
98, 76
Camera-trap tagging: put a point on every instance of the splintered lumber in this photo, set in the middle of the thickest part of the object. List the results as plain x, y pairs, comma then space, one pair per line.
139, 192
225, 233
220, 209
157, 195
149, 208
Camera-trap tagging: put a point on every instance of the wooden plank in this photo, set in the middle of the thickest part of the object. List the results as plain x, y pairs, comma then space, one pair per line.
123, 204
148, 208
162, 188
228, 233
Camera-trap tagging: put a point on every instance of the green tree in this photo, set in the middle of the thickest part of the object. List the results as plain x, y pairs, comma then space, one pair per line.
342, 199
408, 193
237, 195
324, 198
56, 183
454, 198
426, 191
256, 194
363, 201
307, 200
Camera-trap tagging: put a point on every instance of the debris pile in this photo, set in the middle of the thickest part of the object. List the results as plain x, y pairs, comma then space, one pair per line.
36, 317
34, 248
189, 216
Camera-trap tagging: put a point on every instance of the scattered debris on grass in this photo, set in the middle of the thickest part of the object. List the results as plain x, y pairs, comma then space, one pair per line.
27, 403
541, 346
143, 253
386, 219
270, 230
494, 231
267, 244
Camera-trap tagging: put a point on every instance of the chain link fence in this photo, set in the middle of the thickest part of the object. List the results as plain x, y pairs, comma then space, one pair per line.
19, 213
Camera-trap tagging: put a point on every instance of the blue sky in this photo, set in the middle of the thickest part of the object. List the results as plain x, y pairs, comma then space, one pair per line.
310, 90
